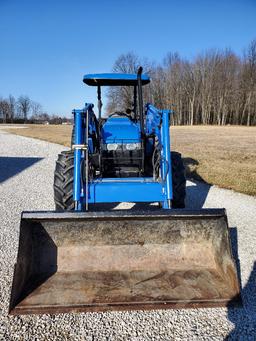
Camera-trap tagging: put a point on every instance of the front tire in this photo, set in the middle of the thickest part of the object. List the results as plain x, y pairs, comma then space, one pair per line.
178, 181
63, 181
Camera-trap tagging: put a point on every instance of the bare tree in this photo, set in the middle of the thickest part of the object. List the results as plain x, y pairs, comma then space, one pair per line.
36, 108
12, 106
217, 87
4, 110
249, 83
24, 105
120, 97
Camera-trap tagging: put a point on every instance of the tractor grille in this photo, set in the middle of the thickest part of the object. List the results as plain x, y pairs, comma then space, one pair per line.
122, 163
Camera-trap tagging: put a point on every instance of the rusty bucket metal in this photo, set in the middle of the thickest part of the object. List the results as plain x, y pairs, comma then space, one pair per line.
98, 261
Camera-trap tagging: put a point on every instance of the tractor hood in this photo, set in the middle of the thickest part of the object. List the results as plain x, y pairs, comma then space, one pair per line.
120, 130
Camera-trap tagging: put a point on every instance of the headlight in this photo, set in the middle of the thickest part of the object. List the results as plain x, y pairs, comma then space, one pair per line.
132, 146
112, 146
119, 146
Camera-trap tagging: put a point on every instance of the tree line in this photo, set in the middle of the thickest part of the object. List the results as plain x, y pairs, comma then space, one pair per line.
216, 87
25, 110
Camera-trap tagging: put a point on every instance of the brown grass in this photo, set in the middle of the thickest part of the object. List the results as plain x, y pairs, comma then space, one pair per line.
224, 156
60, 134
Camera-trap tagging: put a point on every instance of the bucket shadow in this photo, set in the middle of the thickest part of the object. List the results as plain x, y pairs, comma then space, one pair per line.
103, 206
11, 166
234, 248
115, 206
244, 318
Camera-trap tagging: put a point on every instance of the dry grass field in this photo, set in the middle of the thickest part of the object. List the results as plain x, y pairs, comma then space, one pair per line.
224, 156
52, 133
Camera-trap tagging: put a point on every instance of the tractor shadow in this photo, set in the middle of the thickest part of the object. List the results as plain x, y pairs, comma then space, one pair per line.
11, 166
197, 188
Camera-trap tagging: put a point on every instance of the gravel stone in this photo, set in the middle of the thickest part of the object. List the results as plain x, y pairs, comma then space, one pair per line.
26, 180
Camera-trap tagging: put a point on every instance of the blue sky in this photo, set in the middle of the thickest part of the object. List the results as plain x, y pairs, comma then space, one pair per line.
47, 46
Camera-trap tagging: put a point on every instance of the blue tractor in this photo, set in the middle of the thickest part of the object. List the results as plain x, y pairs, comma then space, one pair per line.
83, 258
124, 158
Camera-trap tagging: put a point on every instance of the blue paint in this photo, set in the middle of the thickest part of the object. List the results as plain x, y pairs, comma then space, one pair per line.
125, 191
166, 168
117, 79
78, 119
153, 120
120, 129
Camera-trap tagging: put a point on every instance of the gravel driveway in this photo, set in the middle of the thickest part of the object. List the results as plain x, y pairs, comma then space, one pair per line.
26, 176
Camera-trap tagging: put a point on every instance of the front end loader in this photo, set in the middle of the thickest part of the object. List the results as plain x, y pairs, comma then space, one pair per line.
81, 258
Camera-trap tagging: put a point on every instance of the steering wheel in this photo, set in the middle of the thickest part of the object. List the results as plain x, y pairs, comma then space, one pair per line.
119, 113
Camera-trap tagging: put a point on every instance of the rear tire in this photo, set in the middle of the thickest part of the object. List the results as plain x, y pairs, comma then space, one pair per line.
178, 181
63, 181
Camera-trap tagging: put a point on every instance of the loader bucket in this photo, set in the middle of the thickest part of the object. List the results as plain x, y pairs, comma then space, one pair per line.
98, 261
